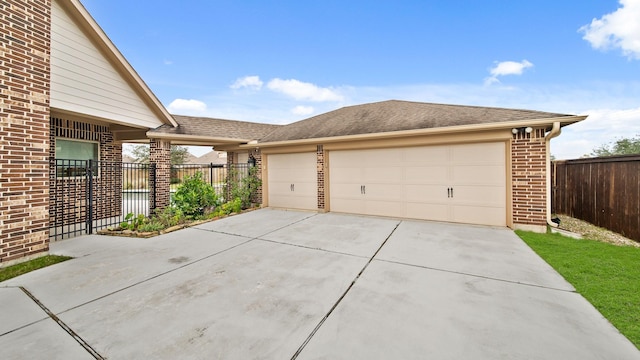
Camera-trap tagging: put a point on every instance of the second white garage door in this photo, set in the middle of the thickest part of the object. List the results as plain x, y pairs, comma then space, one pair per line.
458, 183
292, 181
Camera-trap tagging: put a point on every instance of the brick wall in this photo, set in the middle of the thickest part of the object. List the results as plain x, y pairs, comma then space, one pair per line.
257, 154
24, 128
528, 156
160, 157
320, 170
67, 203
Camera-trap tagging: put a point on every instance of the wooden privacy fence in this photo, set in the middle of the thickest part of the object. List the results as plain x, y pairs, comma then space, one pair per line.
603, 191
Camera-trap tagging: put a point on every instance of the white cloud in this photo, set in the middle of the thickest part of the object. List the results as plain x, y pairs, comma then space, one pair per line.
619, 29
250, 82
187, 107
303, 91
506, 68
302, 110
168, 62
601, 127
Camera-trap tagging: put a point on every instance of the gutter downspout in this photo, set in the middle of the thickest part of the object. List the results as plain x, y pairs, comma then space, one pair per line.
555, 131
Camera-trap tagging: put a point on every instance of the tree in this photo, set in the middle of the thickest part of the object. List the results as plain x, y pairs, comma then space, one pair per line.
179, 154
622, 146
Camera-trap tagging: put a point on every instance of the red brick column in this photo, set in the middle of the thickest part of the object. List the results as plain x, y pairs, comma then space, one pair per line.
320, 169
160, 158
231, 159
257, 154
24, 129
528, 156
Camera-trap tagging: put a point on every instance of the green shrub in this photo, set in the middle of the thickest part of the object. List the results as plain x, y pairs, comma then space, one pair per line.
244, 188
132, 222
169, 216
195, 196
153, 225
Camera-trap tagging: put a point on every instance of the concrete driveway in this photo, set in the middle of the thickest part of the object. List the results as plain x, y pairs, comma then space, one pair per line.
274, 284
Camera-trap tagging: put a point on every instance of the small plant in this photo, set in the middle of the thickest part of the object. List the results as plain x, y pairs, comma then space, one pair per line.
153, 225
244, 187
195, 196
169, 216
132, 222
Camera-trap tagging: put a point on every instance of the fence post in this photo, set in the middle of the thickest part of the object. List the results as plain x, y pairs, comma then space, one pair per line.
211, 174
89, 175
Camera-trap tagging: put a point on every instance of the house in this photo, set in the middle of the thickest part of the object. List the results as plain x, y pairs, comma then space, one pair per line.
68, 94
466, 164
65, 91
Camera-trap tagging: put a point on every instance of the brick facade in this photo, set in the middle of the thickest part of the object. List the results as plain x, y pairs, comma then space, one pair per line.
24, 128
160, 158
320, 156
67, 204
257, 154
528, 175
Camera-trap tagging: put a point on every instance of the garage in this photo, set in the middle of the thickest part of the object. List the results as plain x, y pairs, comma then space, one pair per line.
463, 183
292, 181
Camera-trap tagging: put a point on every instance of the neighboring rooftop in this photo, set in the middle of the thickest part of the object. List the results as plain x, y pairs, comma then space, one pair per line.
201, 127
395, 115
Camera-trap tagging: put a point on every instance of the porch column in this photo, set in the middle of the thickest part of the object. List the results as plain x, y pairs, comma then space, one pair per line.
160, 174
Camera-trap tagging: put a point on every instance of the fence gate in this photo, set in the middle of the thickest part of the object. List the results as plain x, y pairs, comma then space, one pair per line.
87, 195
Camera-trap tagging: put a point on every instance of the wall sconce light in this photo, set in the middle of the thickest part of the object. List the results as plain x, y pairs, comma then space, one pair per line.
522, 130
251, 161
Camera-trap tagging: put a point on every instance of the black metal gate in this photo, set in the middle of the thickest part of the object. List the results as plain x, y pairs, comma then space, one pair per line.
87, 195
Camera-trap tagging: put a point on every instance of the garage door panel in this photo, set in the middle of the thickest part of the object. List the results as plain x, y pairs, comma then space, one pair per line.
425, 193
421, 156
387, 192
346, 191
426, 211
476, 195
426, 174
292, 180
346, 175
417, 182
478, 174
485, 153
382, 175
377, 157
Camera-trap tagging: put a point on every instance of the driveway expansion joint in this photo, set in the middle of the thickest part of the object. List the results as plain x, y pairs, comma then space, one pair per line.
64, 326
478, 276
344, 294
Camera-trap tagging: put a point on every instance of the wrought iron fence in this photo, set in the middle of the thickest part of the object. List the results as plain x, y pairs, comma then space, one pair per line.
87, 195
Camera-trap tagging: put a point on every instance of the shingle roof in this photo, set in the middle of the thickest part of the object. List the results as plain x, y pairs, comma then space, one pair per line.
215, 128
394, 115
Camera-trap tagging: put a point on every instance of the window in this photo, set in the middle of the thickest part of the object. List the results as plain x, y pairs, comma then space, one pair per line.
72, 156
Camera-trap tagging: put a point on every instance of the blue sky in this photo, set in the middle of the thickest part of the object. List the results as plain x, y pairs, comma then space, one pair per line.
283, 61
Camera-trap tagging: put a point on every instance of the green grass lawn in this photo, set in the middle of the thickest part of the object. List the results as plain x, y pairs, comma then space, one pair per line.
608, 276
27, 266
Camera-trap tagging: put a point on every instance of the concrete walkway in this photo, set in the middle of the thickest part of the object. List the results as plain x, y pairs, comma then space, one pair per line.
273, 284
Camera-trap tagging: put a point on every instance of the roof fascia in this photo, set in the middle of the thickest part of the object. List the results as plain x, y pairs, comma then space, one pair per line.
91, 28
564, 120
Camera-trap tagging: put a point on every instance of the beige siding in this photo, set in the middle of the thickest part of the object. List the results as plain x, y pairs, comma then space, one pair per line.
84, 81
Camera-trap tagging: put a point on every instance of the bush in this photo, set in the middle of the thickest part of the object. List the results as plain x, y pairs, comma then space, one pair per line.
195, 196
244, 187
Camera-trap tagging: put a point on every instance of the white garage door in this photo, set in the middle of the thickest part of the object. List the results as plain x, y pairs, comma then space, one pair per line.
458, 183
292, 181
